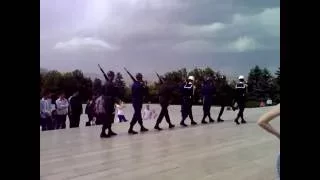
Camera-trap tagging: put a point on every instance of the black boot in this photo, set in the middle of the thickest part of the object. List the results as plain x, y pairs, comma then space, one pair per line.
171, 126
183, 124
143, 129
203, 122
236, 121
193, 122
111, 133
211, 120
131, 131
157, 127
104, 135
243, 121
220, 120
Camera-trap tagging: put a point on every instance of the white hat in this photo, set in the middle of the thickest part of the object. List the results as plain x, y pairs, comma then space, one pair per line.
191, 78
241, 77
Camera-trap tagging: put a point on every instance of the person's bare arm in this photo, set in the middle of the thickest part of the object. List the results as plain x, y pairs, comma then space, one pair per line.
264, 120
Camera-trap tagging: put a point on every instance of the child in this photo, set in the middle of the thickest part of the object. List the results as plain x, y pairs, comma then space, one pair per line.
120, 106
149, 114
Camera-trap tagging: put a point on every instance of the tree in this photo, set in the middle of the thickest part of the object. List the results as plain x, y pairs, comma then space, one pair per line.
278, 76
69, 84
55, 82
260, 84
120, 84
276, 84
51, 81
97, 86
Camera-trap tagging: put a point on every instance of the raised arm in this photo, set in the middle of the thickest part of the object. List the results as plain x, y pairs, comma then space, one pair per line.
264, 120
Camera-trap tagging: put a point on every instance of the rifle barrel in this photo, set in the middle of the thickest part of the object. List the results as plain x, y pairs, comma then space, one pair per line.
104, 74
133, 79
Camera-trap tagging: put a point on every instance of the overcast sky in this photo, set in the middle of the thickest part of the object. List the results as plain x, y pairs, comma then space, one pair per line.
159, 35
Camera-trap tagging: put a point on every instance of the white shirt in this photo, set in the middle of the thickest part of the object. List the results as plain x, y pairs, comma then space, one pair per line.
62, 106
45, 107
147, 114
120, 109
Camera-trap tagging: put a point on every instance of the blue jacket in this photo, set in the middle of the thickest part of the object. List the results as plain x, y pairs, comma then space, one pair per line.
207, 92
139, 91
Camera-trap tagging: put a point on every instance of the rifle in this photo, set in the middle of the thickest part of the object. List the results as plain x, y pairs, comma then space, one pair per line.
104, 74
161, 81
133, 79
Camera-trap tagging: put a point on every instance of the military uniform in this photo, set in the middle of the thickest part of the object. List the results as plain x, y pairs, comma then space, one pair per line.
207, 91
139, 91
165, 93
110, 96
225, 99
241, 92
186, 102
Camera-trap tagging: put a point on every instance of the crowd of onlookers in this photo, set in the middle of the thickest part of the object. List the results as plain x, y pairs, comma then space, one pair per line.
54, 111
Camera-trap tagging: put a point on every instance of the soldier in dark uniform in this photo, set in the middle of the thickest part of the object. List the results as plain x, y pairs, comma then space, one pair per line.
110, 95
139, 91
165, 94
187, 92
225, 96
207, 92
240, 97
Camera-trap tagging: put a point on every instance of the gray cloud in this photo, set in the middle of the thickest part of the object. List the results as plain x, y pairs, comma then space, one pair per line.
159, 35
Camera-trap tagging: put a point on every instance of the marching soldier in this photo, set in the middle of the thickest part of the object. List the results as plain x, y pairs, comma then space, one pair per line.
110, 95
139, 92
241, 92
165, 93
187, 92
207, 91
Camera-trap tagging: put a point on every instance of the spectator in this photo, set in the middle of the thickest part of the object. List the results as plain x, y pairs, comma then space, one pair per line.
75, 110
90, 111
62, 111
120, 106
148, 114
45, 113
100, 110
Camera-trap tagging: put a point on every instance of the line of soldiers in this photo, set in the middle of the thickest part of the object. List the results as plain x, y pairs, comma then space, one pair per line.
110, 95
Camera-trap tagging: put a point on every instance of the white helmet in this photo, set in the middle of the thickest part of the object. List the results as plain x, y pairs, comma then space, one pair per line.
241, 77
191, 78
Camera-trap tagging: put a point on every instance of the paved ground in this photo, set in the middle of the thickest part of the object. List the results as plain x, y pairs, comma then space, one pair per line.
221, 151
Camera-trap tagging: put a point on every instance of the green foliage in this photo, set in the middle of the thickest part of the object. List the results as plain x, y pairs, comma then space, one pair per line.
120, 84
261, 84
154, 92
55, 82
96, 87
